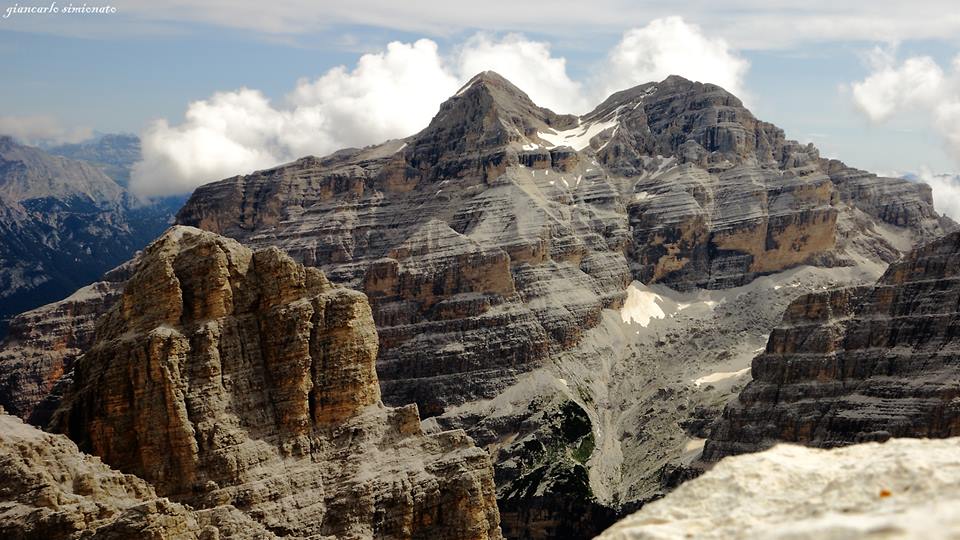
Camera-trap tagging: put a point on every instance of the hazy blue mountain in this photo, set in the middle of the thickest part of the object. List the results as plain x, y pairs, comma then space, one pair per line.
112, 153
63, 223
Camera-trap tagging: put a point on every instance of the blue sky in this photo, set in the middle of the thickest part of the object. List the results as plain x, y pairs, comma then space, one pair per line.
150, 61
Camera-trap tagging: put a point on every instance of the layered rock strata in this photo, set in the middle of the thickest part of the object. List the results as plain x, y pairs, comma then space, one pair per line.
224, 376
493, 238
855, 365
494, 244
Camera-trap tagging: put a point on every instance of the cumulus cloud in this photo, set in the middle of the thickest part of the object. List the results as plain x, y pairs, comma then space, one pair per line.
388, 94
671, 46
41, 130
946, 191
917, 85
395, 93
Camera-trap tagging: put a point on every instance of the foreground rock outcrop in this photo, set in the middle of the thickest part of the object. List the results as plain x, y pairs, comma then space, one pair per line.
49, 489
859, 364
228, 377
903, 489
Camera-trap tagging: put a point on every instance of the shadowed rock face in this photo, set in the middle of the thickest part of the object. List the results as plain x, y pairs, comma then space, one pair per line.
224, 376
858, 364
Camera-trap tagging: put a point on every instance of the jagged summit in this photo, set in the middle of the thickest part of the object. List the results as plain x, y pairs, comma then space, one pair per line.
478, 125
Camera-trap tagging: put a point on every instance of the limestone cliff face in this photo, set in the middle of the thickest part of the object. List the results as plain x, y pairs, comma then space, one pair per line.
49, 489
224, 376
858, 364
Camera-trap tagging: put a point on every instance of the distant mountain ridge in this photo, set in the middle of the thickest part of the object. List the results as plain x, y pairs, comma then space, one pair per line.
113, 153
63, 223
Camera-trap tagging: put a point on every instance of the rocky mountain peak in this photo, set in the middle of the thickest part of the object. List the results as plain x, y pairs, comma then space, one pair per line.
483, 125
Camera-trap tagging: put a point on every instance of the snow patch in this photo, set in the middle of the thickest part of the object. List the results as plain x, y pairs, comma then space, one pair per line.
719, 376
641, 306
466, 87
579, 137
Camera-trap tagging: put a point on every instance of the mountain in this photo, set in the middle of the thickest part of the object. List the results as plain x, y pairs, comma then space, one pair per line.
581, 295
113, 153
63, 223
498, 245
859, 364
256, 388
906, 489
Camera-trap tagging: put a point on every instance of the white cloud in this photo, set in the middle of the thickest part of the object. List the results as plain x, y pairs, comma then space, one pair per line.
919, 86
41, 130
527, 64
389, 94
396, 92
670, 46
946, 192
918, 82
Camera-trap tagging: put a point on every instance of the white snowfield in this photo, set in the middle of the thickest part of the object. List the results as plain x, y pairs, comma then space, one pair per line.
579, 137
902, 489
641, 306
